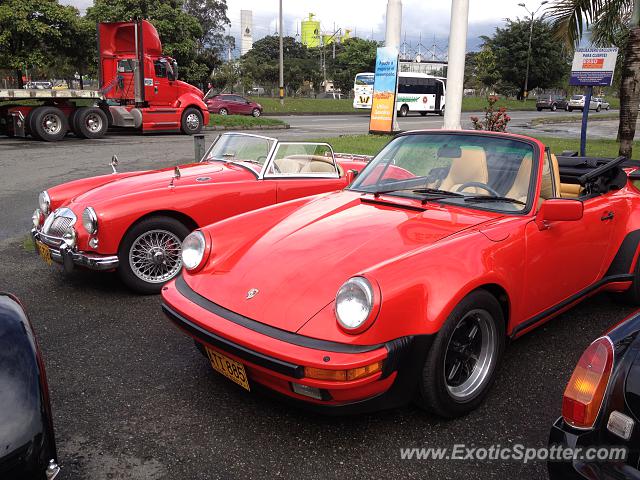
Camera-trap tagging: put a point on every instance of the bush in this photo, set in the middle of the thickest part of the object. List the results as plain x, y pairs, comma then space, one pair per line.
494, 120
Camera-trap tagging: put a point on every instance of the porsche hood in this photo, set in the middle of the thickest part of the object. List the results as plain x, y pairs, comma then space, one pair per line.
294, 267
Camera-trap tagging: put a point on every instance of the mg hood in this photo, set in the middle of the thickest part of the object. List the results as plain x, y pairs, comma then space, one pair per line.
297, 263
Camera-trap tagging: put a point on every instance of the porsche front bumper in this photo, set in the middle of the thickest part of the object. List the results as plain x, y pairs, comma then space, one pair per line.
275, 359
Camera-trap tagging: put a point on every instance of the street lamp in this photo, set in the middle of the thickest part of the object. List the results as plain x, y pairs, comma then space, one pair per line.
533, 15
281, 57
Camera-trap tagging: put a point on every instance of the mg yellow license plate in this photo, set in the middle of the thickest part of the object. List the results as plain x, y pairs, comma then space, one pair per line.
45, 252
231, 369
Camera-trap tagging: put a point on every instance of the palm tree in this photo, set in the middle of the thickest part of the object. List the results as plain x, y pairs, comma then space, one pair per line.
611, 22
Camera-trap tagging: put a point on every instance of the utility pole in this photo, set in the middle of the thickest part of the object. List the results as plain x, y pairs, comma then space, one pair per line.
455, 72
281, 89
533, 17
392, 34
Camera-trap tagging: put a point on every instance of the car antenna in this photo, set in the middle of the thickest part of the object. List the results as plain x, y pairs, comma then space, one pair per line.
114, 163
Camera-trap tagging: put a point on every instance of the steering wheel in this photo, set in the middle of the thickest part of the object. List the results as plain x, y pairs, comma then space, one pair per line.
261, 157
481, 185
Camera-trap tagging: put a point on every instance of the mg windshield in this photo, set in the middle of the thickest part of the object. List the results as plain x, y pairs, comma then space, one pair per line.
473, 170
249, 150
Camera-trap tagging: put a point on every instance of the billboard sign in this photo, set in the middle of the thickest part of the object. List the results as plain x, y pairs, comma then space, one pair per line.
383, 110
593, 67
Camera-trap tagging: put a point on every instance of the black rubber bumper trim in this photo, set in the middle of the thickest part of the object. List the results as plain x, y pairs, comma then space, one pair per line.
286, 368
268, 330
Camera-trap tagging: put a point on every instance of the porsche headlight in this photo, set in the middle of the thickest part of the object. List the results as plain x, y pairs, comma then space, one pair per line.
193, 249
90, 220
354, 303
44, 202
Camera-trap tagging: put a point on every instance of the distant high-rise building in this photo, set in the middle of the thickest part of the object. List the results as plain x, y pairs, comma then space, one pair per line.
246, 34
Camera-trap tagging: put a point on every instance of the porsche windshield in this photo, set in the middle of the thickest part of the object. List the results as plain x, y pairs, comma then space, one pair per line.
475, 170
250, 150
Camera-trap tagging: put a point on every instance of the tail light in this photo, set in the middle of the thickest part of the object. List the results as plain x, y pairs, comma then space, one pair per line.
585, 392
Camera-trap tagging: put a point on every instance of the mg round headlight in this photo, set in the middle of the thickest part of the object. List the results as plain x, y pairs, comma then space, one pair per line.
193, 249
44, 202
69, 237
90, 220
354, 303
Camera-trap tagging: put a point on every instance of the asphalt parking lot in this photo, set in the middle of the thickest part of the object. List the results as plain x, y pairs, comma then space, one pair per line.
132, 398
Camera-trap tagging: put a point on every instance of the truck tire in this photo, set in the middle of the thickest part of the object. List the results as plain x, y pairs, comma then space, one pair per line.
150, 253
404, 111
48, 124
31, 124
191, 121
90, 122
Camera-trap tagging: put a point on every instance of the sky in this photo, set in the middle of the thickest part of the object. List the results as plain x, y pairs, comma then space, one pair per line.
425, 22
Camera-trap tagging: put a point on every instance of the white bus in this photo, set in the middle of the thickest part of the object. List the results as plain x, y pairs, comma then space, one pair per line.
417, 92
363, 90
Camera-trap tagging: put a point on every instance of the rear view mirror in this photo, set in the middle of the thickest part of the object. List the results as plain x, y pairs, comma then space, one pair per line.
350, 176
449, 152
559, 210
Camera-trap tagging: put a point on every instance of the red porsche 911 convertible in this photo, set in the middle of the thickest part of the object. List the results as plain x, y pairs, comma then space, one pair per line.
135, 222
407, 284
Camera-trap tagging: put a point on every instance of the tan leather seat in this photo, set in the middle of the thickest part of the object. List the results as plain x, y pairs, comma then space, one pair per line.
550, 187
470, 167
288, 166
318, 167
520, 188
570, 190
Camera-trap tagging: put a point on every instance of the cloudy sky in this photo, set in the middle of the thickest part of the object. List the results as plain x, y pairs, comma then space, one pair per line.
425, 22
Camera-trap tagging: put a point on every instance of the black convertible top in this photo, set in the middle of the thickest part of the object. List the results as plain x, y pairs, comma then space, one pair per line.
596, 174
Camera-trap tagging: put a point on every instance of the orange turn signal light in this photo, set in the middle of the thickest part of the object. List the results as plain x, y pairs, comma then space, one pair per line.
342, 375
586, 389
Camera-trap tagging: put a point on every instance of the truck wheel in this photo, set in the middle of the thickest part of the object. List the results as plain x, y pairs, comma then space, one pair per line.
90, 122
150, 254
404, 110
49, 124
539, 109
424, 114
461, 363
191, 121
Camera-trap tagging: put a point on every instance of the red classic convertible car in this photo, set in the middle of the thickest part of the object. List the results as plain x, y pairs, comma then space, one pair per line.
135, 222
407, 285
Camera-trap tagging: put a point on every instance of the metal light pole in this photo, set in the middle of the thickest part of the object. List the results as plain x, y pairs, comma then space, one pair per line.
281, 57
533, 15
392, 35
455, 70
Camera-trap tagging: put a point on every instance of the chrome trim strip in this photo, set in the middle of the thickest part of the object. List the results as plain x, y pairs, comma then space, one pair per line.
63, 255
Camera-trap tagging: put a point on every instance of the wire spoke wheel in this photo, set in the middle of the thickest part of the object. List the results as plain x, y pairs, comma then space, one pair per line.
471, 355
154, 256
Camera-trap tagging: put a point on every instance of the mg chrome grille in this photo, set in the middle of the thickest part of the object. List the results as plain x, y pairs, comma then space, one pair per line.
59, 222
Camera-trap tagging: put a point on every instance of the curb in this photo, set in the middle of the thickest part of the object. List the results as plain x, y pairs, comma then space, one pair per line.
308, 114
245, 127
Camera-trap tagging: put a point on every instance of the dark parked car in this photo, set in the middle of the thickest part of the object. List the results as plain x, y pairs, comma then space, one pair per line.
229, 104
27, 443
601, 406
552, 102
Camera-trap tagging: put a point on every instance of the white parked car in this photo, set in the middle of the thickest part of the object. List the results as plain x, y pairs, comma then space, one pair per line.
576, 102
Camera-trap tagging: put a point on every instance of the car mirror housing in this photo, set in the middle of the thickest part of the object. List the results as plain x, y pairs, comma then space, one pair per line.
350, 176
559, 210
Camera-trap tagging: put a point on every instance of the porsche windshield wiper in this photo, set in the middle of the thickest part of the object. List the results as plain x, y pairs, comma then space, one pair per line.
426, 191
492, 198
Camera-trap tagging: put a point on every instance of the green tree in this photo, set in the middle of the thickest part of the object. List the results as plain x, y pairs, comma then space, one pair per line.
510, 46
32, 33
611, 22
355, 55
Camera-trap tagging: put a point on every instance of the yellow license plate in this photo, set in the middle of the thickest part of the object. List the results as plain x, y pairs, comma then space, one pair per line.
231, 369
45, 252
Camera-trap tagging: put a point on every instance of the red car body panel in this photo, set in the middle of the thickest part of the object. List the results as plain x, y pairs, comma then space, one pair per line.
421, 259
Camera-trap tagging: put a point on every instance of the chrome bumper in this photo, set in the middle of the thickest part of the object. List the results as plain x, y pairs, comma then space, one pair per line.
69, 258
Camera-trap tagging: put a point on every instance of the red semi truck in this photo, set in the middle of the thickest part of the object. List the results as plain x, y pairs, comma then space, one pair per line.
139, 88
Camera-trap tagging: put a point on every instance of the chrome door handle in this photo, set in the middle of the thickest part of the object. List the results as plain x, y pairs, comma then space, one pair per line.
607, 216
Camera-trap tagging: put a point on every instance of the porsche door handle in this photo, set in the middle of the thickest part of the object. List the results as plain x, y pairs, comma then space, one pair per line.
607, 216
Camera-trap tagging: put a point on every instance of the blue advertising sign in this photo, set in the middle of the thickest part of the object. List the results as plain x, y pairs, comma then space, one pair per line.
383, 109
593, 67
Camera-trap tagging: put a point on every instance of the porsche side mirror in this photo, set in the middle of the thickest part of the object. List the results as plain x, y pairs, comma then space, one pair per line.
559, 210
350, 175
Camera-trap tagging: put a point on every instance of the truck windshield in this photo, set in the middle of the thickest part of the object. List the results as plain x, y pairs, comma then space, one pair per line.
250, 150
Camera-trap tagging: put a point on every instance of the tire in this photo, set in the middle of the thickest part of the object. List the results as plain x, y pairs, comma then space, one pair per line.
539, 109
149, 277
445, 397
223, 111
569, 109
256, 112
598, 108
31, 122
90, 122
554, 107
441, 112
404, 111
72, 123
608, 107
49, 124
424, 114
191, 122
